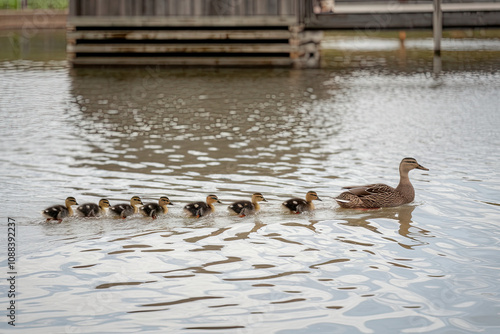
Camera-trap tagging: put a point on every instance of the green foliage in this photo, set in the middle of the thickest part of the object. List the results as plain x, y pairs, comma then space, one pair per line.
34, 4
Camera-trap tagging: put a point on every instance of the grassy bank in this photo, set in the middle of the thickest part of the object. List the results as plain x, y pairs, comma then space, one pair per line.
34, 4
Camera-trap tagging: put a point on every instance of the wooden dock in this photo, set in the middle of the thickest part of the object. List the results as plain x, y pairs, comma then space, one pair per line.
239, 32
404, 15
196, 32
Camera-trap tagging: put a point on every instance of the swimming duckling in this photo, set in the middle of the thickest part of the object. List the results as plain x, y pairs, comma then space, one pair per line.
92, 209
199, 209
58, 212
124, 210
380, 195
298, 205
153, 210
245, 208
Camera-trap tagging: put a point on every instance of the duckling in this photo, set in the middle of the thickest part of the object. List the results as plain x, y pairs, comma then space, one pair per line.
92, 209
298, 205
245, 208
124, 210
154, 209
58, 212
380, 195
199, 209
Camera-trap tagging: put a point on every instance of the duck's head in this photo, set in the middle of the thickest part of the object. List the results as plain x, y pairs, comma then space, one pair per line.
164, 201
70, 201
258, 197
312, 196
212, 199
407, 164
135, 200
104, 203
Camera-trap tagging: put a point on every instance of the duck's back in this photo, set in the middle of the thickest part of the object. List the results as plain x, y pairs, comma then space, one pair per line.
297, 205
370, 196
56, 212
152, 209
89, 210
242, 206
122, 210
197, 209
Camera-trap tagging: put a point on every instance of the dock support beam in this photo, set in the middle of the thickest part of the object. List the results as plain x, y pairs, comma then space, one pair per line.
437, 25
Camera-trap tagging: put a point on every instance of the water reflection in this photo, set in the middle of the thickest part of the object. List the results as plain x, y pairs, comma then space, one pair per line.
237, 129
402, 215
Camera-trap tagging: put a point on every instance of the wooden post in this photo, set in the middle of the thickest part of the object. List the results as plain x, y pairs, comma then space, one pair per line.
437, 25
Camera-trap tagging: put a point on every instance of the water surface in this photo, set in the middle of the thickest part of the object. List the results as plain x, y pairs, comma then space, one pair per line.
431, 266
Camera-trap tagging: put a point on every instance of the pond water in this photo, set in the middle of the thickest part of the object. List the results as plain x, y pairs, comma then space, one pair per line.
431, 266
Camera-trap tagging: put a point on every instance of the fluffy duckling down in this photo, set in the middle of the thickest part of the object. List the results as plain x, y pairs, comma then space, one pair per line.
58, 212
153, 210
200, 209
299, 205
124, 210
245, 208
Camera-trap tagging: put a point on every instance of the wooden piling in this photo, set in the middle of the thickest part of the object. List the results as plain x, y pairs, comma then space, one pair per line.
437, 25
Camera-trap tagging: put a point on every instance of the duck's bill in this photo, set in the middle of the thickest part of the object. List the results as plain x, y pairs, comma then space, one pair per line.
422, 167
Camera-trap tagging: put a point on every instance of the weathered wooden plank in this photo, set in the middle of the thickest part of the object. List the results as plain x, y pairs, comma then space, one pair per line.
185, 61
180, 7
198, 7
148, 7
100, 8
178, 34
137, 8
272, 7
376, 22
156, 21
89, 7
72, 8
396, 7
113, 8
260, 7
186, 48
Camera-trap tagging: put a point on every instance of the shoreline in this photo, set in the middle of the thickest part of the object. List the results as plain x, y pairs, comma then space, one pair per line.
33, 19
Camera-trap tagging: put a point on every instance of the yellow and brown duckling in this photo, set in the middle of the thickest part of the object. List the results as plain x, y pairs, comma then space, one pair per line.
245, 208
153, 210
124, 210
299, 205
58, 212
200, 209
380, 195
92, 209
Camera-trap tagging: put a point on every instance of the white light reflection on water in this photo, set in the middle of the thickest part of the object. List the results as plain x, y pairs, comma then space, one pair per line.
432, 266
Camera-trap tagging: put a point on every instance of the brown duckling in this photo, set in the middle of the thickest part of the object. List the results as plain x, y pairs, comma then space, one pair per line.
199, 209
153, 210
92, 209
299, 205
245, 208
124, 210
380, 195
58, 212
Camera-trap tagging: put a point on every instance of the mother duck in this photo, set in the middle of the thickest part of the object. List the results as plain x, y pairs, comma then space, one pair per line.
380, 195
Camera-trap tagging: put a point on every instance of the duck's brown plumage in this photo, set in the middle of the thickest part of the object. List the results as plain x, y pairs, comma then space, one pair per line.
199, 209
299, 205
124, 210
92, 209
153, 210
381, 195
58, 212
245, 208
